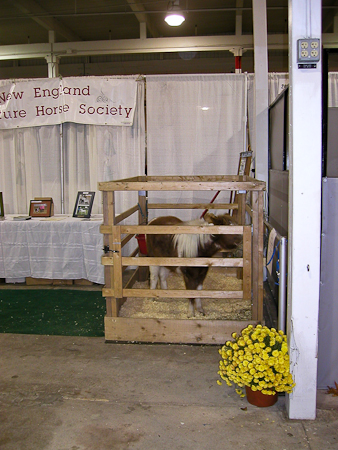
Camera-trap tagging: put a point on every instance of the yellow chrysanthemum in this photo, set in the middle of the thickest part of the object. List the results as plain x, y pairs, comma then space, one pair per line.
257, 357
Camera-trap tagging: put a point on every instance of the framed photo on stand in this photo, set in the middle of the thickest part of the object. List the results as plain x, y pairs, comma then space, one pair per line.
40, 208
47, 198
83, 204
2, 212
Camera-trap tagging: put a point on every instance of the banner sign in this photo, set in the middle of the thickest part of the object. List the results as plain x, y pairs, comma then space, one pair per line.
52, 101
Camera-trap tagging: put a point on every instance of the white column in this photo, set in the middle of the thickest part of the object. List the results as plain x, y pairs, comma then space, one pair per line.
52, 60
260, 145
53, 65
305, 142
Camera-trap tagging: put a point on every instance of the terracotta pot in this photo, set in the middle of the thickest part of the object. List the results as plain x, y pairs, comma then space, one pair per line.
258, 399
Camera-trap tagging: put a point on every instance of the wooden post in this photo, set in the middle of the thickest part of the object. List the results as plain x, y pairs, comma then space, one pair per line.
117, 269
143, 272
247, 262
257, 255
108, 219
241, 208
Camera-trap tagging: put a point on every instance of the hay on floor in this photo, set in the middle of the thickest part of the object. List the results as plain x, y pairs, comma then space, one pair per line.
172, 308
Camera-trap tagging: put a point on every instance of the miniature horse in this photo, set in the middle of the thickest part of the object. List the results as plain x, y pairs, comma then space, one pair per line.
189, 246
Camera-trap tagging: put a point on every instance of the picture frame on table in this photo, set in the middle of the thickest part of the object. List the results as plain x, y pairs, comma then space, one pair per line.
2, 211
84, 204
40, 208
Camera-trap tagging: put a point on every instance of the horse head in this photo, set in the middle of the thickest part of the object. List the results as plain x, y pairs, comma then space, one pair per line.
225, 241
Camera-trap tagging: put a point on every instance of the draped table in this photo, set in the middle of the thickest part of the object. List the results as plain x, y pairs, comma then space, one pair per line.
57, 247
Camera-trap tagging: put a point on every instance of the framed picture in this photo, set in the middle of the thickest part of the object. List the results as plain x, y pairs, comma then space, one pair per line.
40, 208
244, 163
83, 204
2, 212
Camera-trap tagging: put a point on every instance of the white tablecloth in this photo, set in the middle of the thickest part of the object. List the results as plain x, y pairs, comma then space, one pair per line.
58, 247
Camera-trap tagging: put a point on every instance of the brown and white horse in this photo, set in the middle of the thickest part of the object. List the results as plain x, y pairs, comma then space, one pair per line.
189, 246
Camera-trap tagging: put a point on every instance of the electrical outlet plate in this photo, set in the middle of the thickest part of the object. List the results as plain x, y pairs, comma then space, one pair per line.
308, 50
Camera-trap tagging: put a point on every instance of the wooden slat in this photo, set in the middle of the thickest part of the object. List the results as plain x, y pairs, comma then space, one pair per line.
126, 214
248, 210
126, 239
181, 229
196, 178
189, 183
106, 229
185, 331
181, 186
192, 206
174, 262
186, 262
173, 293
134, 252
179, 293
132, 279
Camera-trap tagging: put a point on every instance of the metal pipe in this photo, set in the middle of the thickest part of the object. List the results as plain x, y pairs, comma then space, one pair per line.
62, 177
245, 112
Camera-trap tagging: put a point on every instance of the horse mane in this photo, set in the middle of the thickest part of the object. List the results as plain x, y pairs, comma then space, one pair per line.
188, 244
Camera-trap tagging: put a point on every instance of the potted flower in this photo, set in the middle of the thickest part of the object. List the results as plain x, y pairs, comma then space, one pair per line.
258, 359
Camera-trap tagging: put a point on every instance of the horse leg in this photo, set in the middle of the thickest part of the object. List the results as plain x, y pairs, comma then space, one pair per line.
164, 272
191, 309
193, 278
198, 302
154, 272
195, 304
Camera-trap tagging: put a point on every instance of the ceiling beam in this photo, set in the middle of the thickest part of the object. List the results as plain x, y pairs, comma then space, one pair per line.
32, 10
142, 16
154, 45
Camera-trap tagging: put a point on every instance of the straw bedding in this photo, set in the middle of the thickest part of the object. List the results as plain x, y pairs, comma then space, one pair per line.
170, 308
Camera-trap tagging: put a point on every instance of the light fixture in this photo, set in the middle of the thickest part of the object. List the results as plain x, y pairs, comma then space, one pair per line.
174, 16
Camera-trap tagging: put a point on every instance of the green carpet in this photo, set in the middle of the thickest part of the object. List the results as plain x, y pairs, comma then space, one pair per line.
62, 312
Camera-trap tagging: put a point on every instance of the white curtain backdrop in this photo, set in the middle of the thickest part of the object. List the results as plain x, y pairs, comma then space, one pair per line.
29, 166
184, 138
276, 83
195, 126
30, 161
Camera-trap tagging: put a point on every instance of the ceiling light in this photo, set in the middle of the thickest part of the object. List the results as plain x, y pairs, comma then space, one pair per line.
174, 16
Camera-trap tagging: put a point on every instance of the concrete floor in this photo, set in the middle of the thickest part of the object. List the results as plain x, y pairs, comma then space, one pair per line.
78, 393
